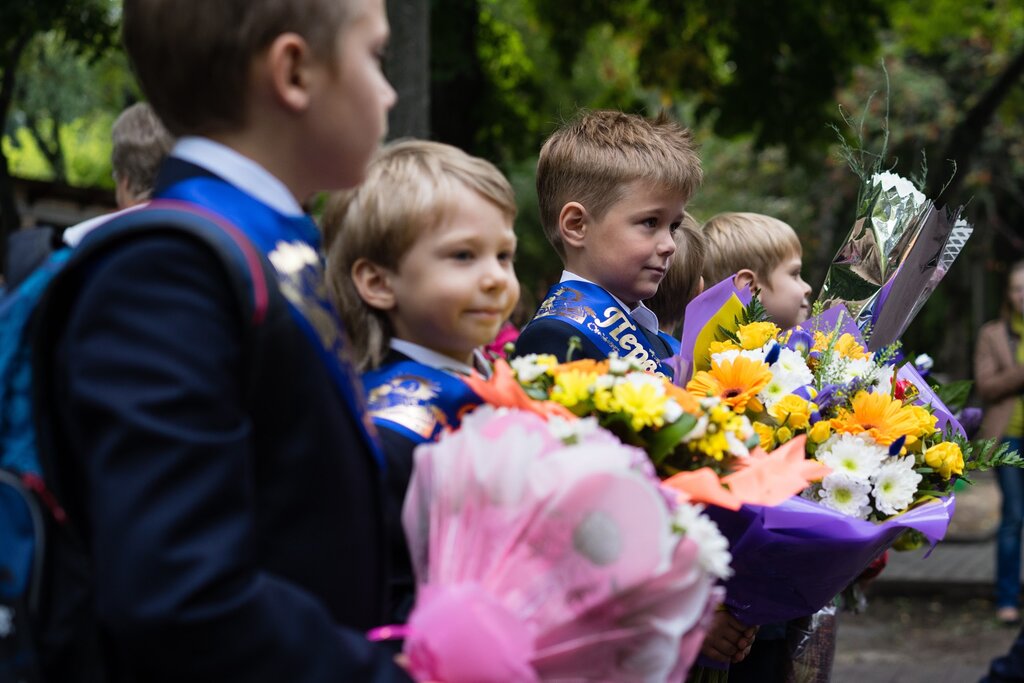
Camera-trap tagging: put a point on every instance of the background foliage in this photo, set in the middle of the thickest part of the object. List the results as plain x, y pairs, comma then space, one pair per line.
760, 84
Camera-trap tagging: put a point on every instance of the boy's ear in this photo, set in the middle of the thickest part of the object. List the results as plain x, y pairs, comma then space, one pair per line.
289, 60
744, 278
373, 283
572, 224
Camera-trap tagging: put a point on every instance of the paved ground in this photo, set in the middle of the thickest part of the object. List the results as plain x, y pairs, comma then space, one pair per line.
930, 619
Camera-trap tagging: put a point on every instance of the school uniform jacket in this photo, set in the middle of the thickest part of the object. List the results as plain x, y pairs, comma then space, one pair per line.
234, 504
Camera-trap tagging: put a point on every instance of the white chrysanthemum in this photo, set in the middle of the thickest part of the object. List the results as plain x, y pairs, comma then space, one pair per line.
639, 379
773, 392
792, 365
733, 354
291, 257
736, 447
699, 429
846, 494
604, 382
672, 411
573, 431
895, 485
854, 454
712, 547
882, 381
527, 368
618, 366
863, 368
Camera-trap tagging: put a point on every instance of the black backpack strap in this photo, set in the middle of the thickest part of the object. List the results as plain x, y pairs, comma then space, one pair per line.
251, 277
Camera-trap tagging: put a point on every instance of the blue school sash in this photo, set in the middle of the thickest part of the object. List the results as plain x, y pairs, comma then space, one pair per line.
417, 400
597, 316
292, 245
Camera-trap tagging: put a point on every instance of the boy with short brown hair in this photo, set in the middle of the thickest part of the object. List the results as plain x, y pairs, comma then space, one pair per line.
220, 457
612, 189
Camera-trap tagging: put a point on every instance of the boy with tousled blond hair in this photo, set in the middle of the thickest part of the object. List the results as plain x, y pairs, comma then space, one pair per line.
212, 433
683, 281
420, 263
612, 189
763, 253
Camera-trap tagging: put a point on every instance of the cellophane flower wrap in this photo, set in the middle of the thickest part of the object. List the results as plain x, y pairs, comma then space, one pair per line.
900, 247
545, 549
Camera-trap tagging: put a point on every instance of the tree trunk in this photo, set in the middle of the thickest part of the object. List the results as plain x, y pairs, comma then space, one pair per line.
967, 134
408, 67
10, 220
458, 82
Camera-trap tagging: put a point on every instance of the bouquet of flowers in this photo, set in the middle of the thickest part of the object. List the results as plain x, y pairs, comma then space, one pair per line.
544, 549
892, 448
706, 448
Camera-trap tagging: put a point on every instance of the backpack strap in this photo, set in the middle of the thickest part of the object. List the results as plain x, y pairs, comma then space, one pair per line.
251, 278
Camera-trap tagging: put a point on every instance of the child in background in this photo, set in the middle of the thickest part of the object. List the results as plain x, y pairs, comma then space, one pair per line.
216, 451
612, 189
763, 253
682, 283
420, 262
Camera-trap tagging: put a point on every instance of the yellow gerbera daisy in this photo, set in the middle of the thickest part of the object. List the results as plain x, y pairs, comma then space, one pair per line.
735, 381
884, 418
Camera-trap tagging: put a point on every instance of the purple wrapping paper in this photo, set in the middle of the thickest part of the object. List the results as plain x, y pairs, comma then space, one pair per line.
834, 318
793, 559
699, 312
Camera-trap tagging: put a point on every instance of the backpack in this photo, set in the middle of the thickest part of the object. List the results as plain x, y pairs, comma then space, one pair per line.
47, 627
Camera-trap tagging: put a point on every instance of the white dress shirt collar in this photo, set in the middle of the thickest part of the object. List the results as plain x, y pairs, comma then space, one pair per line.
422, 354
239, 170
644, 316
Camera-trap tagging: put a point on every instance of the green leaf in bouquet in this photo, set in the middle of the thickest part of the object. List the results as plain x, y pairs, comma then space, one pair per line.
536, 392
664, 441
954, 394
985, 454
754, 312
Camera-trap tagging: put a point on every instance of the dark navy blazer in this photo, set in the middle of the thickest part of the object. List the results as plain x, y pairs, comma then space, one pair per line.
234, 512
551, 335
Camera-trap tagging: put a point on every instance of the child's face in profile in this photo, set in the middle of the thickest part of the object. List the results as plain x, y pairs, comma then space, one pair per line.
456, 286
785, 294
353, 97
629, 250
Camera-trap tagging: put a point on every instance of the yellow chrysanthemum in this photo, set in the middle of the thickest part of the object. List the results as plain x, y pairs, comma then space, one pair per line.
756, 335
946, 457
735, 381
642, 402
766, 434
792, 411
884, 418
573, 387
820, 431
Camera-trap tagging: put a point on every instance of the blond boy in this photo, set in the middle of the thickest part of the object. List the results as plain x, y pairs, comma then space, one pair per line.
420, 263
215, 450
763, 253
612, 189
